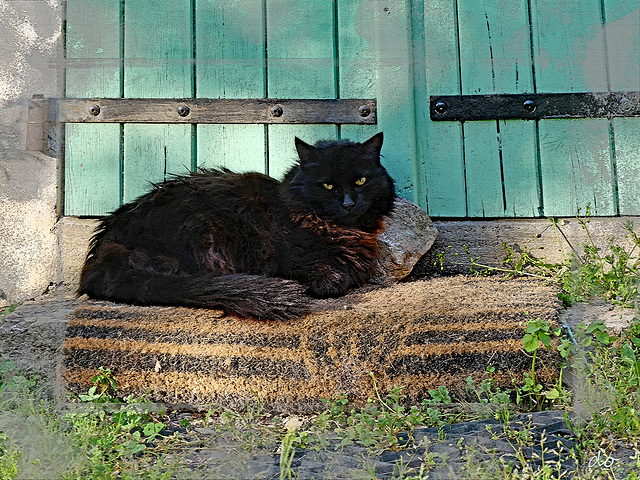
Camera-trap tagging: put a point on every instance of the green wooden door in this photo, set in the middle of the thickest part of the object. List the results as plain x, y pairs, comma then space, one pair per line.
225, 49
398, 51
518, 168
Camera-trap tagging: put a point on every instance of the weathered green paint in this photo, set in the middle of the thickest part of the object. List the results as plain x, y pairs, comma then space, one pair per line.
439, 144
398, 51
622, 35
357, 61
395, 90
500, 161
92, 169
300, 64
152, 153
94, 60
230, 53
92, 152
518, 145
156, 66
575, 157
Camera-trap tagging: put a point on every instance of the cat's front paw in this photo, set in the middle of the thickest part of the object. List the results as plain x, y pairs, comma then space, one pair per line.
329, 282
326, 290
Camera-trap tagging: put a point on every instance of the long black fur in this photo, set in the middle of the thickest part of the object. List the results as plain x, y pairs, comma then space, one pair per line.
247, 243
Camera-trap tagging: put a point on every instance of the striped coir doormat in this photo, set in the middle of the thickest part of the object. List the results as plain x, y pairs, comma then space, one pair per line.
418, 335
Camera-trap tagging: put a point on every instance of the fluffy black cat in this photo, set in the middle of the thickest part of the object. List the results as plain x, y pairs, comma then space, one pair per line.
246, 243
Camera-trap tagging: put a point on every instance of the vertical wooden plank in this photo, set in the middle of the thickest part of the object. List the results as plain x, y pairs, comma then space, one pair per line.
575, 155
240, 148
395, 91
300, 64
519, 148
500, 157
482, 170
622, 32
92, 169
627, 150
93, 48
357, 63
230, 52
420, 99
152, 154
158, 49
158, 64
440, 143
92, 152
282, 152
377, 63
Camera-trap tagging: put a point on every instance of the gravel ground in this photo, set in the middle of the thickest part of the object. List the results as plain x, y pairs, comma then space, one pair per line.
464, 450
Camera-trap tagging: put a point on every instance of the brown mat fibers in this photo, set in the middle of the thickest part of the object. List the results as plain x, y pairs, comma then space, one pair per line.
418, 335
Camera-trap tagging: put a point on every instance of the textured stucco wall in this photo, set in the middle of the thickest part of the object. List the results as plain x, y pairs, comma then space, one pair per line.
30, 63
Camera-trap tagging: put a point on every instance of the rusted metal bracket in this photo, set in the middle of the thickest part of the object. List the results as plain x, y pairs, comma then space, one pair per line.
37, 124
199, 110
535, 106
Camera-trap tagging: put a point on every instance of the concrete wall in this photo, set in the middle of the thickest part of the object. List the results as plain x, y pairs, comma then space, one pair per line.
38, 249
31, 62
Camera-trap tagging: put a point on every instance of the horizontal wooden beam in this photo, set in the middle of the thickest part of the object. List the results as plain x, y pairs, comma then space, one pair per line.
535, 106
205, 110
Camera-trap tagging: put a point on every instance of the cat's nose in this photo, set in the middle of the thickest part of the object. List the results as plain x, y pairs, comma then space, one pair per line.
347, 202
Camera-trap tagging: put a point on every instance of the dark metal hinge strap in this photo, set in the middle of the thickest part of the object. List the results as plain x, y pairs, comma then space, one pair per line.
193, 110
534, 106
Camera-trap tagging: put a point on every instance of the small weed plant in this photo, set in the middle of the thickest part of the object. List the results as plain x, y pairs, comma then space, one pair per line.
114, 434
383, 423
611, 273
611, 371
7, 310
101, 437
614, 276
539, 334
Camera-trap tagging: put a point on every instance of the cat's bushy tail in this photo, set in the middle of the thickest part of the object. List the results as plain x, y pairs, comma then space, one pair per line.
129, 277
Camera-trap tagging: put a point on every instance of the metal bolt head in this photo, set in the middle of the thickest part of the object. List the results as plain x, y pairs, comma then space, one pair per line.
364, 111
529, 106
94, 110
625, 104
183, 110
441, 108
276, 111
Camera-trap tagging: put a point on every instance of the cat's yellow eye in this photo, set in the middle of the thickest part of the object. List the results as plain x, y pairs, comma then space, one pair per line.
327, 186
361, 181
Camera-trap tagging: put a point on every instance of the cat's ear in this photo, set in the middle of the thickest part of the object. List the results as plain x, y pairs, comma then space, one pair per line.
306, 152
374, 144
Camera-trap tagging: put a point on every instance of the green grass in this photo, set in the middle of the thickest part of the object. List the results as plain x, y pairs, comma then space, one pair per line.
38, 441
7, 310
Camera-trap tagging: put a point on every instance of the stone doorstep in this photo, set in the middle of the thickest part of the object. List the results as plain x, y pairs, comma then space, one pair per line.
615, 317
406, 236
483, 238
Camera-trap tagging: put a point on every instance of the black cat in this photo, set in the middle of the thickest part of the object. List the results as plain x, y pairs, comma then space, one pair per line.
246, 243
